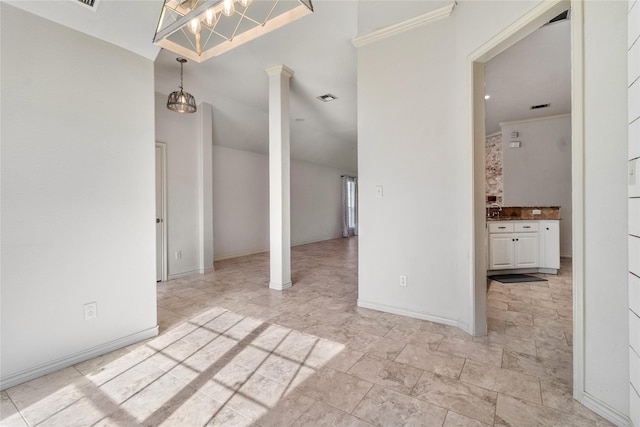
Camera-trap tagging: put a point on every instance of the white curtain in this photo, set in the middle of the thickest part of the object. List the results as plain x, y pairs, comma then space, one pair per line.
349, 206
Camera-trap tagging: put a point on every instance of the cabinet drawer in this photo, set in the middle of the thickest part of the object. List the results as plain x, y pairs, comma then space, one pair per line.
523, 227
501, 227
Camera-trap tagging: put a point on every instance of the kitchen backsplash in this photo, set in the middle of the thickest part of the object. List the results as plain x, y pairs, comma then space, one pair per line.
493, 162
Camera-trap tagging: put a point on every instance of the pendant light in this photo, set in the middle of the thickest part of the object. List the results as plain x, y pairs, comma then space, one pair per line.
181, 101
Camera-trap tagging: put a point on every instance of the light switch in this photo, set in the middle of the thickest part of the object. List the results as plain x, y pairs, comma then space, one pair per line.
514, 144
378, 191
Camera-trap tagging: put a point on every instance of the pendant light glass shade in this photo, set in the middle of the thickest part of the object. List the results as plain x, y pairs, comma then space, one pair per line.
181, 101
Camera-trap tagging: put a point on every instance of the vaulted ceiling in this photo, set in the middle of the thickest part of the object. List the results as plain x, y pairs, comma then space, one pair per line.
319, 50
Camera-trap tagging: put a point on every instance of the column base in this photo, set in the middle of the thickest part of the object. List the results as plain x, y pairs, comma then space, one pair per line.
279, 286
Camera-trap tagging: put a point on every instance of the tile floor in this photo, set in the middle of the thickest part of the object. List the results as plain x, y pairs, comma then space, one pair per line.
231, 352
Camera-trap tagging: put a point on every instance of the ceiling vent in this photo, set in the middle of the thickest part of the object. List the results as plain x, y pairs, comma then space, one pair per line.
326, 98
91, 4
564, 16
537, 107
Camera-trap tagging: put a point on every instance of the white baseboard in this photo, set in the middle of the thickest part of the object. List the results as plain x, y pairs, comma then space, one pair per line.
259, 251
308, 242
240, 254
423, 316
184, 274
604, 410
47, 368
279, 286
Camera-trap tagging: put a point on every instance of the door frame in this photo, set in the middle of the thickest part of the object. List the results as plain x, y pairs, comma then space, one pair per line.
163, 208
524, 26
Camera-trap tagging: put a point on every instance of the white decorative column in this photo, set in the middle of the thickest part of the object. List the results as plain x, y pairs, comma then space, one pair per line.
279, 178
205, 187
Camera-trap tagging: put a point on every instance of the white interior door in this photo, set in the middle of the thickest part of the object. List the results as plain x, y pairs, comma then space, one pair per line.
161, 256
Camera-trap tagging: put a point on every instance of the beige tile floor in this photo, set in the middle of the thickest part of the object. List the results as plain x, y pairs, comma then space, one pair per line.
231, 352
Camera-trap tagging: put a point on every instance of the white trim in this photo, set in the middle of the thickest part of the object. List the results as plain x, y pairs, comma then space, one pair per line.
577, 185
165, 254
279, 286
408, 313
259, 251
518, 30
308, 242
604, 410
535, 119
184, 274
47, 368
406, 25
241, 254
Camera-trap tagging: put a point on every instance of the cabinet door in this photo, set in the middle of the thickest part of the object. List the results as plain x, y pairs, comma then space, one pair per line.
526, 250
501, 251
550, 244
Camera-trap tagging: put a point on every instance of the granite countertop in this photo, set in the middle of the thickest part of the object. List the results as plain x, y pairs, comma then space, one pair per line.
536, 218
522, 213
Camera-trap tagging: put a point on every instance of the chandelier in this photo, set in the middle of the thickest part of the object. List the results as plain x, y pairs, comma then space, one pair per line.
202, 29
181, 101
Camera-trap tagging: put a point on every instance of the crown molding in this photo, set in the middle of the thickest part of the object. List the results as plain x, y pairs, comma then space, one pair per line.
403, 26
534, 119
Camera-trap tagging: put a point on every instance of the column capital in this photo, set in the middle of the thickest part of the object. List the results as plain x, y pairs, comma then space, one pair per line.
279, 70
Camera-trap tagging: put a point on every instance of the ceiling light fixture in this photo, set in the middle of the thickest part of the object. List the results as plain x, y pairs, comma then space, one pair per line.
181, 101
202, 29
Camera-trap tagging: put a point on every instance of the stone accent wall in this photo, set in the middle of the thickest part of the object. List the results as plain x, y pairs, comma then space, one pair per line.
493, 161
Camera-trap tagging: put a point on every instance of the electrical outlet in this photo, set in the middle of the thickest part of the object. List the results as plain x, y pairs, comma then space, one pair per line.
403, 280
178, 254
90, 310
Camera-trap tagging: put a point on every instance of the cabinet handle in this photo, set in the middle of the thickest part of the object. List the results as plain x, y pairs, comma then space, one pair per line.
517, 240
502, 228
526, 226
547, 228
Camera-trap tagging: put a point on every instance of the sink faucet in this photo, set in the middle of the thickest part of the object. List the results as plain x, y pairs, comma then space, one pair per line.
494, 213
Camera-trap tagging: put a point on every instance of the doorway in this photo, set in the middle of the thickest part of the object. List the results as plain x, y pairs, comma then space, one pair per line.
161, 209
533, 20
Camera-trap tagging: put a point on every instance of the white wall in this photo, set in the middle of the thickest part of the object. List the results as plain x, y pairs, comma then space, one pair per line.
413, 138
316, 203
633, 59
413, 132
606, 239
180, 133
189, 187
240, 202
77, 196
539, 172
240, 196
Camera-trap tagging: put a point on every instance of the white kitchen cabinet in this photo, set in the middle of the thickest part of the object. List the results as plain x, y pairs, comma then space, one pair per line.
526, 250
513, 244
549, 255
501, 253
524, 245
